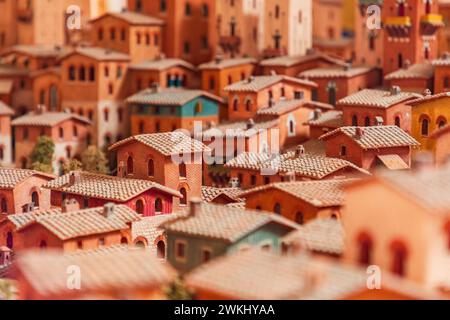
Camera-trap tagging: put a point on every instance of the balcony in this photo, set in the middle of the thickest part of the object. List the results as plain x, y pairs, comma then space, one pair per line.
230, 44
430, 24
398, 27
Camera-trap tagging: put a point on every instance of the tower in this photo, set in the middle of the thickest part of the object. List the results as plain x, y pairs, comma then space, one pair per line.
410, 32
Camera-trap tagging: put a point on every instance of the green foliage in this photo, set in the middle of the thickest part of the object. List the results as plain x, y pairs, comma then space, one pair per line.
42, 167
178, 291
5, 290
94, 160
72, 165
43, 151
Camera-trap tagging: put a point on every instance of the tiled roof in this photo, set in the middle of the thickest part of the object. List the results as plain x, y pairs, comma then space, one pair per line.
13, 71
162, 64
329, 119
5, 110
428, 188
429, 98
39, 50
377, 98
335, 72
10, 178
209, 194
226, 63
442, 61
416, 71
280, 107
170, 97
259, 275
393, 162
168, 143
133, 18
289, 61
376, 136
20, 220
87, 222
255, 84
105, 187
223, 223
100, 54
6, 86
319, 235
47, 119
306, 165
239, 129
111, 270
320, 194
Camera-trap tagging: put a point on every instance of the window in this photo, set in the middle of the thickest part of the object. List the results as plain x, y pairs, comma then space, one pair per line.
283, 92
163, 6
198, 107
441, 122
106, 115
204, 42
112, 34
100, 34
140, 207
212, 83
9, 240
158, 206
187, 9
82, 74
180, 250
248, 105
119, 72
69, 152
266, 180
367, 121
151, 168
397, 121
277, 208
138, 38
183, 200
156, 39
72, 76
182, 170
355, 120
130, 165
61, 133
235, 104
299, 218
80, 245
2, 153
110, 89
206, 255
277, 12
91, 74
123, 35
291, 126
365, 249
106, 70
205, 10
253, 180
141, 127
186, 48
75, 131
4, 205
425, 127
343, 152
399, 257
161, 250
446, 83
101, 242
85, 203
230, 80
43, 245
147, 39
124, 241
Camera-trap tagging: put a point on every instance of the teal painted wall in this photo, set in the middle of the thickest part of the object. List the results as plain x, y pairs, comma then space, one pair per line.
210, 108
270, 233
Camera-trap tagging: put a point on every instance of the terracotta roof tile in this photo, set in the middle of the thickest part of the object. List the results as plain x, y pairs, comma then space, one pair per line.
20, 220
10, 178
281, 107
38, 50
100, 54
105, 187
335, 72
320, 194
329, 119
416, 71
306, 165
289, 61
377, 98
239, 129
319, 235
429, 98
133, 18
255, 84
162, 64
5, 110
393, 162
226, 63
12, 71
169, 97
168, 143
376, 136
47, 119
246, 275
209, 194
113, 270
442, 61
223, 223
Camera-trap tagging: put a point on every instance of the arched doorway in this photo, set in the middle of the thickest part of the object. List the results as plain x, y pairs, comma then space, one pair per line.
399, 257
43, 244
365, 246
158, 206
140, 207
35, 199
161, 250
124, 241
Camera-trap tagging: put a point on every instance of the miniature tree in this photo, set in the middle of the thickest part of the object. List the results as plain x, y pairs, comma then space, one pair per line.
178, 291
5, 290
94, 160
42, 155
72, 165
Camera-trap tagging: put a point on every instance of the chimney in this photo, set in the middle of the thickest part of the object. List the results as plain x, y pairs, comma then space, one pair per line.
250, 124
218, 59
5, 256
359, 133
300, 151
395, 90
271, 102
41, 109
108, 210
70, 205
194, 206
427, 92
406, 64
317, 114
379, 121
74, 177
156, 87
289, 176
234, 183
250, 79
347, 66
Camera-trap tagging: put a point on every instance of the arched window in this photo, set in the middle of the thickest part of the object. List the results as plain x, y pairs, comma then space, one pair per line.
140, 207
35, 198
91, 73
183, 170
106, 115
399, 257
9, 240
367, 121
441, 122
75, 131
235, 104
365, 245
112, 34
151, 168
4, 205
425, 127
397, 121
72, 76
100, 34
198, 107
299, 217
183, 199
147, 39
291, 126
61, 132
130, 165
138, 38
187, 9
283, 92
69, 152
158, 205
43, 244
141, 127
277, 208
161, 250
123, 34
248, 105
355, 120
140, 244
82, 73
124, 241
